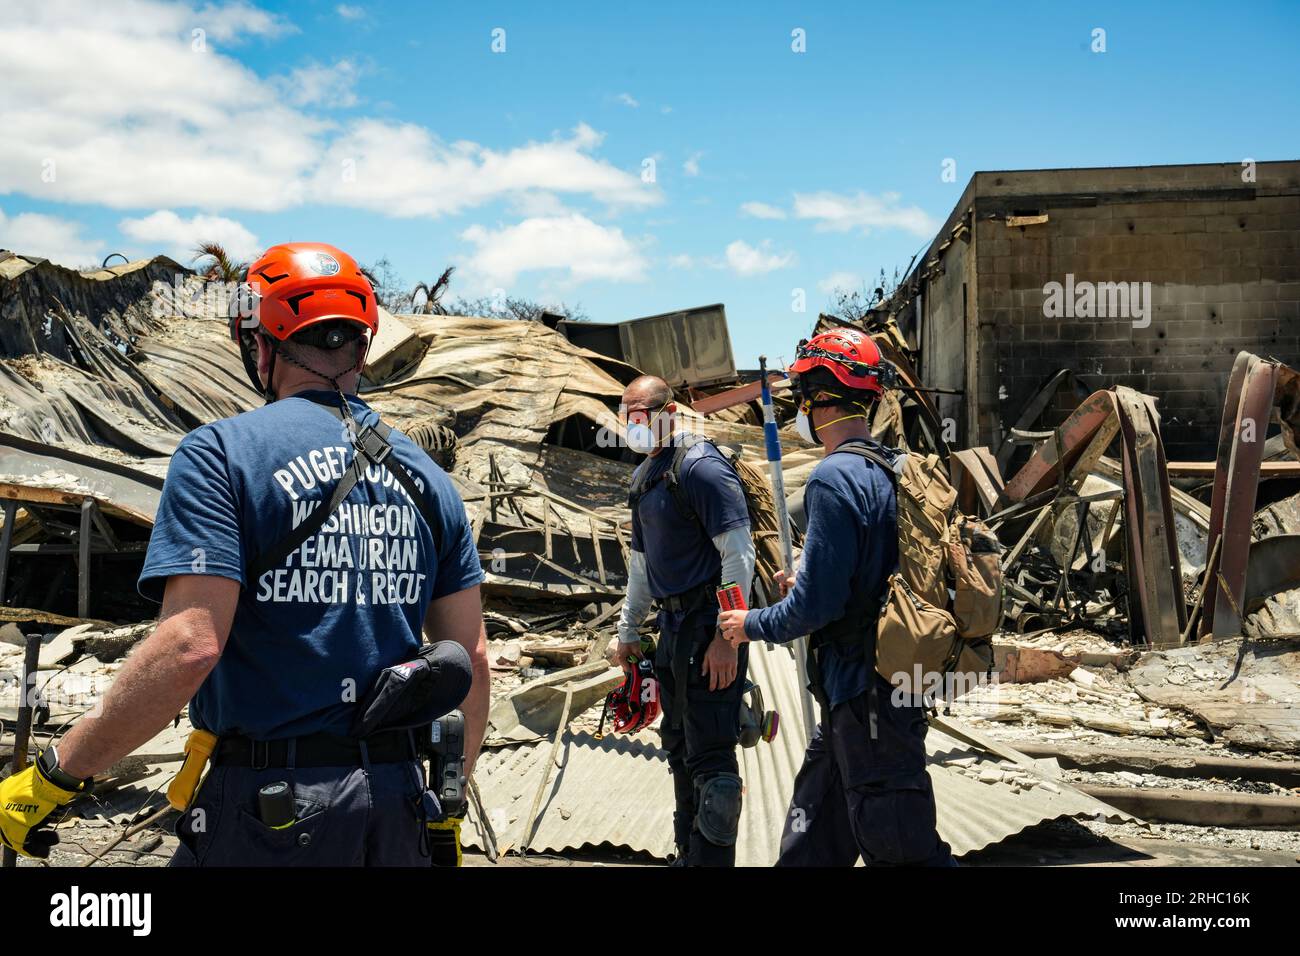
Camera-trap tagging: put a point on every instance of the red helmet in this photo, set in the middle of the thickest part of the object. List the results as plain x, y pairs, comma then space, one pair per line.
635, 702
850, 355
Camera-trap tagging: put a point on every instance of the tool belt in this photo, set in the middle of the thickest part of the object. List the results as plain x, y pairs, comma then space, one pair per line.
683, 603
687, 600
316, 750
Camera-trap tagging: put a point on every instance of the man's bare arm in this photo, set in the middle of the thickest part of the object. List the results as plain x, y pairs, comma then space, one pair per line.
159, 678
459, 617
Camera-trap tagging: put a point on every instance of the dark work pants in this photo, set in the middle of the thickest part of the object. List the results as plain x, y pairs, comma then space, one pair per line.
701, 741
855, 796
347, 816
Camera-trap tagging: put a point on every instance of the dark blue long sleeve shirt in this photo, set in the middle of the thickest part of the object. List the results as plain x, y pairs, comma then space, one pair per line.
851, 547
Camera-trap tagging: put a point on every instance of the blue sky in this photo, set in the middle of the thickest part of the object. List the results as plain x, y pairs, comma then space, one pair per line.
394, 129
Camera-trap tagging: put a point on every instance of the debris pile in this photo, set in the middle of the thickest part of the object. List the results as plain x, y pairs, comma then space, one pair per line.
1149, 604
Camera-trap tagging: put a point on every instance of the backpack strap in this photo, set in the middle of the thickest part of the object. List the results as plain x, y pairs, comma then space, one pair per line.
671, 477
870, 454
372, 447
640, 484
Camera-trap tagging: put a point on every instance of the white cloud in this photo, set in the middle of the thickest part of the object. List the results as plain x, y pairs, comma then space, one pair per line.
761, 210
319, 85
665, 110
681, 261
840, 281
164, 229
350, 12
222, 21
692, 166
573, 245
837, 212
124, 112
627, 100
49, 237
121, 109
403, 170
746, 260
540, 203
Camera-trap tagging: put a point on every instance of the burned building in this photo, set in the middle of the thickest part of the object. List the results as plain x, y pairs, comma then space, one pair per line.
1151, 277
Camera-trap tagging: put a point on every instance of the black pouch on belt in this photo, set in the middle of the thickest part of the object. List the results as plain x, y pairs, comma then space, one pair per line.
415, 693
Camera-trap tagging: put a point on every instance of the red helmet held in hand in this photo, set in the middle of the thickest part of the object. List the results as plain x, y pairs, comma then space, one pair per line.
848, 354
635, 702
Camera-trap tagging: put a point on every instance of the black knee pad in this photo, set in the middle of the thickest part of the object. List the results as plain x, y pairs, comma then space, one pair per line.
717, 808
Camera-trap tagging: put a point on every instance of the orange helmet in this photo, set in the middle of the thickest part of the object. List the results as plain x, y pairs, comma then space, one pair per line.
850, 355
296, 285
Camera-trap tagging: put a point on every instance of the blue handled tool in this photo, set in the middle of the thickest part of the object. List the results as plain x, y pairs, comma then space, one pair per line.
773, 441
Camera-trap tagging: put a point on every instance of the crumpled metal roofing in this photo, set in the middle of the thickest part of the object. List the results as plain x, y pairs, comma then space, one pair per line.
617, 791
69, 384
507, 380
120, 491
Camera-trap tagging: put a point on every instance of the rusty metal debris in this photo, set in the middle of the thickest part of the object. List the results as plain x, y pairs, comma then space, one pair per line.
1251, 389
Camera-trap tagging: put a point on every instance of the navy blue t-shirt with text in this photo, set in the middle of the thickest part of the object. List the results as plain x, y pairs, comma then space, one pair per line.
311, 635
680, 554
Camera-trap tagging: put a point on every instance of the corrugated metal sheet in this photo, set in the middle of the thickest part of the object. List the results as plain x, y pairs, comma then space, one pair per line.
617, 791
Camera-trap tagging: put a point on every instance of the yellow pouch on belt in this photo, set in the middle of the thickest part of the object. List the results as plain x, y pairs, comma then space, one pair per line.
198, 751
444, 842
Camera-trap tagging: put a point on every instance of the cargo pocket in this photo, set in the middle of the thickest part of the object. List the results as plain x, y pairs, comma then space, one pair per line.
300, 843
896, 751
894, 823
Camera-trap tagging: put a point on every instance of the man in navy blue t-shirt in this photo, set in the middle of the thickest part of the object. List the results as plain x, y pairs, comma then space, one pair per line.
275, 652
863, 790
684, 545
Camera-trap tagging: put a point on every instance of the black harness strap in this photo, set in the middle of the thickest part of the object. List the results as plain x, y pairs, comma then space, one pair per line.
862, 451
671, 477
313, 523
372, 446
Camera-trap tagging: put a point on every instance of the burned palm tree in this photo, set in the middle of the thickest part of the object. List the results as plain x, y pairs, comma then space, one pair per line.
215, 264
433, 294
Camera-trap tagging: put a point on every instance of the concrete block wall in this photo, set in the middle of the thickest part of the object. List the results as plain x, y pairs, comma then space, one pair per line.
1224, 274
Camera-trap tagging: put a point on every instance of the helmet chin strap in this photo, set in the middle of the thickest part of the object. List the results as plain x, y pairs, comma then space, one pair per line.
268, 390
248, 353
332, 379
834, 401
268, 393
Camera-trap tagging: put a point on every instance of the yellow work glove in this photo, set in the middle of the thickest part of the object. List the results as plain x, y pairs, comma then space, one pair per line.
444, 842
26, 800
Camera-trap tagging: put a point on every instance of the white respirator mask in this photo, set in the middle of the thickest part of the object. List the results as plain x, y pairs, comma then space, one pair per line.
803, 427
641, 438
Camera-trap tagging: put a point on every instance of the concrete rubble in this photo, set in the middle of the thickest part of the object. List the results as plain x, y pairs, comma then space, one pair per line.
1145, 623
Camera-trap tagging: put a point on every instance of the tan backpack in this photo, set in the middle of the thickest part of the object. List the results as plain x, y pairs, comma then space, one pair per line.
945, 599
